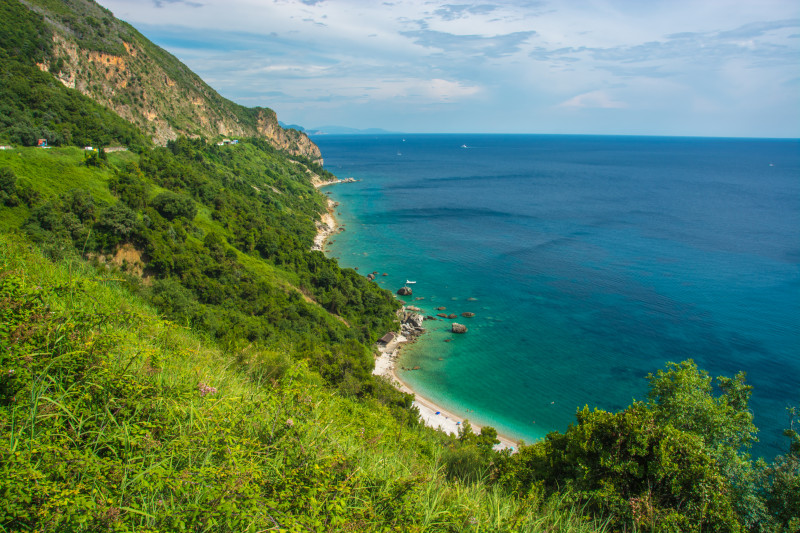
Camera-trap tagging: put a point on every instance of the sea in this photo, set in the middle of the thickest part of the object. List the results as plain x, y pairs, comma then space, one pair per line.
589, 262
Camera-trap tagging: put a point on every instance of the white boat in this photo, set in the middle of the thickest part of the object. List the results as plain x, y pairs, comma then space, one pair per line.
410, 282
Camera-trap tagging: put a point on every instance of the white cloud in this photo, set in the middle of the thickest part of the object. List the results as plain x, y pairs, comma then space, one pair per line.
510, 61
593, 99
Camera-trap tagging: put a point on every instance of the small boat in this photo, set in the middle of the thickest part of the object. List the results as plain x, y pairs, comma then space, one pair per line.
463, 146
410, 282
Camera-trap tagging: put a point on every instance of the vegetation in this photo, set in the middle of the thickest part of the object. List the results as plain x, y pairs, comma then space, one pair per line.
173, 356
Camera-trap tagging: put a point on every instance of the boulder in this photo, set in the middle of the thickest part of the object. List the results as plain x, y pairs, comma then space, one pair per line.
458, 328
467, 314
452, 315
370, 277
404, 291
413, 319
442, 315
442, 308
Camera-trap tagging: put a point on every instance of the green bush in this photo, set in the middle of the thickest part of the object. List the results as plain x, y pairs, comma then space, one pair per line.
172, 205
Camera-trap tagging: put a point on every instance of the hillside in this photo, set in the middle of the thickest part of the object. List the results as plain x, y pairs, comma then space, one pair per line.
89, 50
175, 357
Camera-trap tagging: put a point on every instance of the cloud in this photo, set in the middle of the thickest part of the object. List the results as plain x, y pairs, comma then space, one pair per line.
593, 99
511, 63
160, 3
457, 11
460, 45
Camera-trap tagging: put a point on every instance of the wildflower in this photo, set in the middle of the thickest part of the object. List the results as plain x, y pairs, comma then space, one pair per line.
206, 389
290, 422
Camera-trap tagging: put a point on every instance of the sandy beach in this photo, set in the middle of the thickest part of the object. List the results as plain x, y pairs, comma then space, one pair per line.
326, 226
385, 365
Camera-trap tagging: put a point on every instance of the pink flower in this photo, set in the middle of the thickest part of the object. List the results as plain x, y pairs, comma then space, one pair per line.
206, 389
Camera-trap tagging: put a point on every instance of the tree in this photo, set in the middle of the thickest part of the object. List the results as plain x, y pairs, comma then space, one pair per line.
675, 463
173, 205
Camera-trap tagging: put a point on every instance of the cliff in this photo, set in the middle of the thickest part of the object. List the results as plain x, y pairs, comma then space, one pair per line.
112, 63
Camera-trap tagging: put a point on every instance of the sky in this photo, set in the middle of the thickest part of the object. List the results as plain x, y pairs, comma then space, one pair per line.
720, 68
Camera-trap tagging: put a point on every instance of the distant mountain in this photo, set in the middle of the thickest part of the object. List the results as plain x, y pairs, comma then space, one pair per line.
291, 126
344, 130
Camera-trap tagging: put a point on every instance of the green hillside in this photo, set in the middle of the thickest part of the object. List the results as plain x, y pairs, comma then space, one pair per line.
174, 357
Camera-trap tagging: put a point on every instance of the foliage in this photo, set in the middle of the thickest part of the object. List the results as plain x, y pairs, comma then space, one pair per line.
675, 463
114, 419
171, 205
780, 483
228, 237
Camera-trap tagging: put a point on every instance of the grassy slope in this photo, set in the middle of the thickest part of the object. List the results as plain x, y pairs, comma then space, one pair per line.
105, 426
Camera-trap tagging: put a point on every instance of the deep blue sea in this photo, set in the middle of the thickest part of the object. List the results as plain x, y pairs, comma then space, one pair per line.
589, 262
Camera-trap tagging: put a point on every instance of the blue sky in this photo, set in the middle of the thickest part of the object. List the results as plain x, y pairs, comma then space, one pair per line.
638, 67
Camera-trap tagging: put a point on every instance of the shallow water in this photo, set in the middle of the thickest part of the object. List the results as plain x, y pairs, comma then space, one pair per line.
589, 262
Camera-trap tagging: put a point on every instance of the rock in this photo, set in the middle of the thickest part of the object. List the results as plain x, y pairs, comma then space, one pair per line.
448, 340
370, 277
452, 315
472, 299
384, 274
413, 308
413, 320
429, 317
415, 368
419, 298
441, 308
458, 328
404, 291
467, 314
442, 315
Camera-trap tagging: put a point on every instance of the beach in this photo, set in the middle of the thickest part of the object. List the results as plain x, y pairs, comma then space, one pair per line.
326, 226
432, 415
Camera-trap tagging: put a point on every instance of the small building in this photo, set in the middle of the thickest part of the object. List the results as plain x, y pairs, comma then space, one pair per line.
89, 148
235, 141
386, 339
42, 143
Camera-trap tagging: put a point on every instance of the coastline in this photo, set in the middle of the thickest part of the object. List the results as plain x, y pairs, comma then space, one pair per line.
447, 421
326, 227
385, 363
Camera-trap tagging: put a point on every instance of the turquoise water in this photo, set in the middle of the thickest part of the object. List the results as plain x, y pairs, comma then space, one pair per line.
588, 261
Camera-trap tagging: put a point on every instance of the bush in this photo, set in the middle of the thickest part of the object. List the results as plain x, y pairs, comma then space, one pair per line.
172, 205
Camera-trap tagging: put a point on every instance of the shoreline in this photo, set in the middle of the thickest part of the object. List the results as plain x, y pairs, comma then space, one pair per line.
446, 420
385, 363
326, 227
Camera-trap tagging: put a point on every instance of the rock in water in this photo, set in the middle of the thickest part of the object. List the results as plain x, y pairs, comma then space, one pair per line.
404, 291
452, 315
458, 328
468, 314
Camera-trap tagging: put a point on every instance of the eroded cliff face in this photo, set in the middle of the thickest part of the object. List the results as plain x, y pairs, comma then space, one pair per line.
164, 98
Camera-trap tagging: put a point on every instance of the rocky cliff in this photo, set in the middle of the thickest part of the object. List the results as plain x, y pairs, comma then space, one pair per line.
111, 62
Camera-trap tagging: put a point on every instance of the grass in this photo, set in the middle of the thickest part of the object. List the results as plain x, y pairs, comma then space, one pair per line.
120, 420
49, 168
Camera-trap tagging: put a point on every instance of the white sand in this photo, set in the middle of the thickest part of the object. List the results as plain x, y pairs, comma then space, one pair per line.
445, 421
325, 227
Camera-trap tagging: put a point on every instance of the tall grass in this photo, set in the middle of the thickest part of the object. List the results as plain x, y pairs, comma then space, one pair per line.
115, 419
